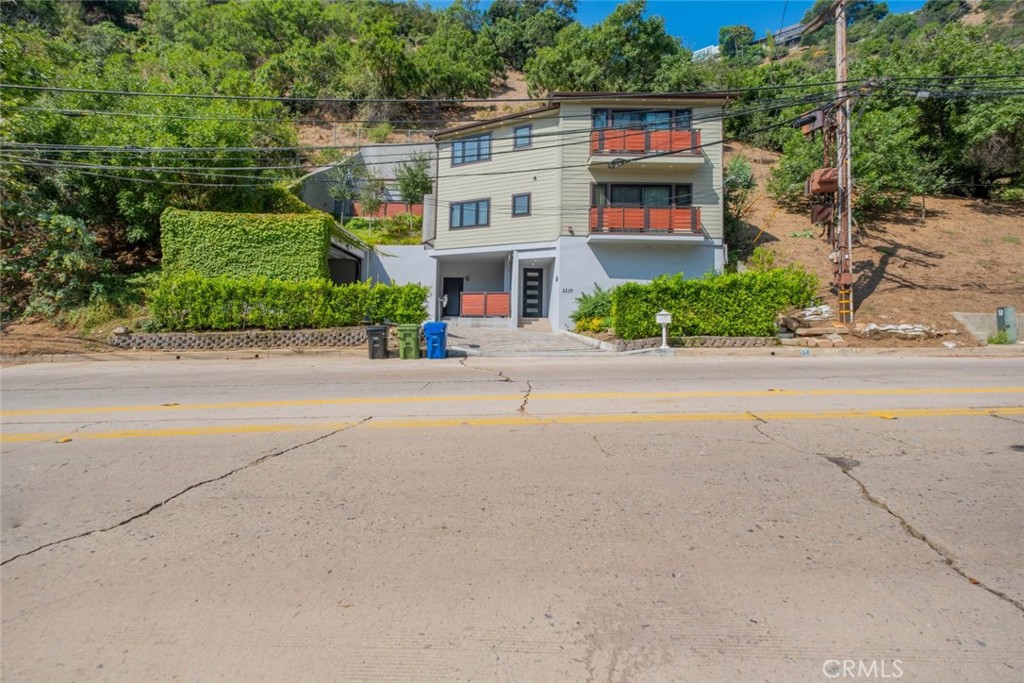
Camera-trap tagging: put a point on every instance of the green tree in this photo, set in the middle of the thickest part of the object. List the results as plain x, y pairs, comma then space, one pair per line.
733, 39
622, 53
414, 179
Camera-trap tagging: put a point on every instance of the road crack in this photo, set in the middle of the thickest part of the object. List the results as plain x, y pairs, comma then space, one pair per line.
846, 465
502, 377
526, 397
156, 506
1008, 419
758, 428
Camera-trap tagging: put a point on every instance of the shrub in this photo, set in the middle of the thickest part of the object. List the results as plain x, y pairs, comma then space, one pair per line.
279, 246
380, 132
732, 304
595, 305
402, 229
192, 302
49, 265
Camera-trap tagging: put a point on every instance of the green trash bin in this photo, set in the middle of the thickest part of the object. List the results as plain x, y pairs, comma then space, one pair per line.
408, 341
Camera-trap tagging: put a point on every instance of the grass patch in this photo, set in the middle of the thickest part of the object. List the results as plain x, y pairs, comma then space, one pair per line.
1011, 239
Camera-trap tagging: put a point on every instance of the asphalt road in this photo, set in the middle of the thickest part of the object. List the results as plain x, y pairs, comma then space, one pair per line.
533, 519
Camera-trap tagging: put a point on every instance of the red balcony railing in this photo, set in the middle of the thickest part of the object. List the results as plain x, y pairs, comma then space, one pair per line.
486, 305
640, 141
664, 221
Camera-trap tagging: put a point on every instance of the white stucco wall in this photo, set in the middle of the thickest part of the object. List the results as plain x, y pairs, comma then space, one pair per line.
581, 265
403, 264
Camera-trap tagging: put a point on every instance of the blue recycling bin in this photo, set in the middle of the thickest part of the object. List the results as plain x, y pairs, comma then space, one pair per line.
436, 335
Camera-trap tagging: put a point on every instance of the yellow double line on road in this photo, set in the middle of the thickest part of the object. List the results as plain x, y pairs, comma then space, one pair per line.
526, 420
536, 396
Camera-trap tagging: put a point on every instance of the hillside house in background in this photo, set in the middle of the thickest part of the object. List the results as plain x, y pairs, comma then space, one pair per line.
533, 209
383, 161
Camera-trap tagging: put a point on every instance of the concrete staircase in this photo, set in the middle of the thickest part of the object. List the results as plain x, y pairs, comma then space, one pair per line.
535, 324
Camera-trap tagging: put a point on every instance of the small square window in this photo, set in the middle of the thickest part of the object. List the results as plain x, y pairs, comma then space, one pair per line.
521, 204
522, 137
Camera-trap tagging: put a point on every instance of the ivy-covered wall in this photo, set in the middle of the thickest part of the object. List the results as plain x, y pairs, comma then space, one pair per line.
291, 246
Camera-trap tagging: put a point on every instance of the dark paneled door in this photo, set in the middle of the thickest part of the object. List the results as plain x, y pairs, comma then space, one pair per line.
452, 289
533, 292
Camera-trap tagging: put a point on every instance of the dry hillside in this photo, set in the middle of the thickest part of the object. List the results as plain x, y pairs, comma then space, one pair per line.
964, 255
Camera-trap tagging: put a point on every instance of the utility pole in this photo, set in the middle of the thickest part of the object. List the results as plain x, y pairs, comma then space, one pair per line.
842, 242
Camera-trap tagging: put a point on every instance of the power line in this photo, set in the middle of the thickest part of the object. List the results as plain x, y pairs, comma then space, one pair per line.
574, 97
583, 132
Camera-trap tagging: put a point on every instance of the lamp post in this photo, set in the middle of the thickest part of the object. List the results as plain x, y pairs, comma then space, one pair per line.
664, 319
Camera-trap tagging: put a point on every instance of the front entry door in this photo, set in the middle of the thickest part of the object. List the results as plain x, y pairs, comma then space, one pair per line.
533, 292
452, 288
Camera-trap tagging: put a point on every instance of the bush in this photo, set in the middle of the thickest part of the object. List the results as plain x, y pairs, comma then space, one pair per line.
380, 132
279, 246
192, 302
402, 229
733, 304
49, 265
595, 305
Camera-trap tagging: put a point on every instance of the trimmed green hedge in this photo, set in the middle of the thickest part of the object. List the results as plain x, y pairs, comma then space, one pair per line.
193, 302
731, 305
279, 246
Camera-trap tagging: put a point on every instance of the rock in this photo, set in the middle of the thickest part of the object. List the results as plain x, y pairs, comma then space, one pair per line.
120, 329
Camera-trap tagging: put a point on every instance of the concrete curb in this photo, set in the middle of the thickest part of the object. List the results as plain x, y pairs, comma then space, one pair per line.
589, 341
457, 352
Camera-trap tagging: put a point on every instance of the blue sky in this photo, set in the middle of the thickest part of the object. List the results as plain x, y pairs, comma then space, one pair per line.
696, 22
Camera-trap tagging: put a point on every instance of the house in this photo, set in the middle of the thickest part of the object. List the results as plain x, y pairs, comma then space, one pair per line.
787, 36
533, 209
383, 161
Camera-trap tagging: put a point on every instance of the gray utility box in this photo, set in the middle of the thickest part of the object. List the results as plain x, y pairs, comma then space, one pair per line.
1006, 320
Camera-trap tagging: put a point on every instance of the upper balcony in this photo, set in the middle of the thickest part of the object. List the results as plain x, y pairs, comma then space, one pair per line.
617, 223
661, 148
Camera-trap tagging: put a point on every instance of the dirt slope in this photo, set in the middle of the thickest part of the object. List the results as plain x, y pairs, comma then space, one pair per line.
964, 255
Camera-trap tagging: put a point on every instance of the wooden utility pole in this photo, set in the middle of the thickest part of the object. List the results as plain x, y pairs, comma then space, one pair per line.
842, 243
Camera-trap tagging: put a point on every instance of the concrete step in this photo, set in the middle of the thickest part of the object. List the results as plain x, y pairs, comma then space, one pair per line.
535, 324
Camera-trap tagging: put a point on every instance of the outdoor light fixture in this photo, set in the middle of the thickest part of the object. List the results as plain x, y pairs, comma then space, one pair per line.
664, 318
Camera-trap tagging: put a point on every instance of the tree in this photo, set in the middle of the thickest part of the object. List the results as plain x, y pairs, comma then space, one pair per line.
453, 62
623, 53
414, 179
732, 39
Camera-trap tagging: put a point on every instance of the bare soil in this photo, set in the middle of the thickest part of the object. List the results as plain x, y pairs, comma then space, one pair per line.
41, 337
962, 255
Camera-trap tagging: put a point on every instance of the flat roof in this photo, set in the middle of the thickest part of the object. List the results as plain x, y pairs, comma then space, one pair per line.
555, 98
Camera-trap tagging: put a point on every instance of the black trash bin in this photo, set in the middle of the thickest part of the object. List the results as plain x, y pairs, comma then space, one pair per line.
377, 341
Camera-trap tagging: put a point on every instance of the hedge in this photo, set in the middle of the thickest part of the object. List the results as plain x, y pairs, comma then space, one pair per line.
732, 304
279, 246
194, 302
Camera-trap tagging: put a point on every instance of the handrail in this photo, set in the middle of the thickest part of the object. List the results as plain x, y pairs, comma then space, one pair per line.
655, 220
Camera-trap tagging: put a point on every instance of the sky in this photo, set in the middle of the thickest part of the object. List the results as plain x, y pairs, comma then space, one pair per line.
696, 22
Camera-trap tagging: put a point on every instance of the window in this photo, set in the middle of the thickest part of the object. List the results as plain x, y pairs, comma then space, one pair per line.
664, 119
642, 196
470, 150
521, 204
522, 137
473, 214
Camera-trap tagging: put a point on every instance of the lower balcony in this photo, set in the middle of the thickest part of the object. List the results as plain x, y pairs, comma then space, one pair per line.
677, 221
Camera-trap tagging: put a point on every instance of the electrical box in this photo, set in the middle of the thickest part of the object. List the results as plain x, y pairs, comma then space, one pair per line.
1006, 321
824, 181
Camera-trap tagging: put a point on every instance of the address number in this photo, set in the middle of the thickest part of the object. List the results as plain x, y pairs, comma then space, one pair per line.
566, 290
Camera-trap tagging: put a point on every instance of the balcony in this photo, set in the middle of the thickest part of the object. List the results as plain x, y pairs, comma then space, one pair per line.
676, 147
672, 222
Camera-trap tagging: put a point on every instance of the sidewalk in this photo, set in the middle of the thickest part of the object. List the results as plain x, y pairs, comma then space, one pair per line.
489, 341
